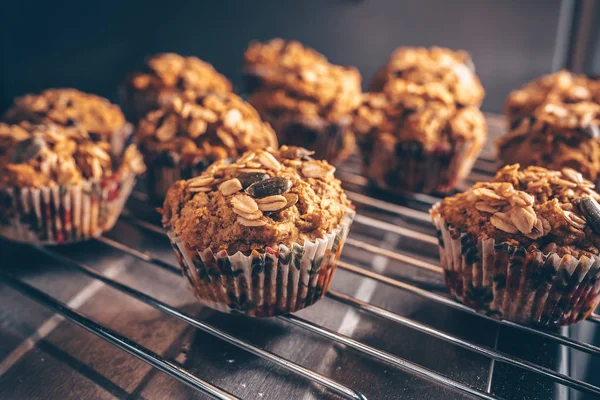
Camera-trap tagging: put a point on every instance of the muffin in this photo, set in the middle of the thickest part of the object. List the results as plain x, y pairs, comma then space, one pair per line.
164, 76
101, 119
420, 65
416, 138
261, 236
189, 133
307, 100
61, 184
554, 122
523, 247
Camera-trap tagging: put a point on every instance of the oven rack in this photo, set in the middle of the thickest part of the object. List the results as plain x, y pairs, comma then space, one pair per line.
415, 211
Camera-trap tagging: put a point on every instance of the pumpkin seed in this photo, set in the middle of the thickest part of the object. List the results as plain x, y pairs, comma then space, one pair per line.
269, 187
591, 211
28, 149
249, 178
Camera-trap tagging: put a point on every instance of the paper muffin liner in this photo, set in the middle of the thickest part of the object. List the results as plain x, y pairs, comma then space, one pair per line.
63, 214
407, 167
267, 282
513, 283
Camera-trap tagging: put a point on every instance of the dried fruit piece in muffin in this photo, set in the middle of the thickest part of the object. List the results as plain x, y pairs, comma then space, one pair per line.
277, 241
554, 122
308, 100
453, 69
101, 119
167, 75
524, 246
189, 133
415, 138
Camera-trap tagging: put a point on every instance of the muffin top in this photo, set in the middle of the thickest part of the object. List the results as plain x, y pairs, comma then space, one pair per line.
420, 65
166, 74
299, 82
408, 112
43, 155
266, 198
556, 134
562, 87
69, 107
537, 208
204, 126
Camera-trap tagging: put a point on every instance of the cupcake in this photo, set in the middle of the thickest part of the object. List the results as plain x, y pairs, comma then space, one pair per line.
554, 122
416, 138
189, 133
308, 101
102, 120
167, 75
261, 236
523, 247
61, 184
420, 65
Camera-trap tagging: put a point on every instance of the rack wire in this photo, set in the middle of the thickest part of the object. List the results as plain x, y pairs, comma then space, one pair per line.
414, 208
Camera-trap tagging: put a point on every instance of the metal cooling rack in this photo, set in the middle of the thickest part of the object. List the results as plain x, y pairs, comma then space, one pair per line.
413, 248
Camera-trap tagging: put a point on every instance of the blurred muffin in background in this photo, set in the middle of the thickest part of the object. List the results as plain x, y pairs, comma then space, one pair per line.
415, 138
167, 75
61, 184
308, 101
101, 119
421, 129
554, 122
421, 65
189, 133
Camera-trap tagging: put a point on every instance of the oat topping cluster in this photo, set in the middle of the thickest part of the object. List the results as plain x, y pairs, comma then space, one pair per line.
299, 81
69, 107
166, 75
554, 122
532, 205
454, 70
265, 198
423, 113
212, 126
42, 155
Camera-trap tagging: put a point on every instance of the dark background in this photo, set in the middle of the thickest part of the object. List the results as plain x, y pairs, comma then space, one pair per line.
91, 45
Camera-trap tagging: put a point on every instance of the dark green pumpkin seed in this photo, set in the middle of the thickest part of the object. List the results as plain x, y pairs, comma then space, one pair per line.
27, 149
249, 178
269, 187
591, 211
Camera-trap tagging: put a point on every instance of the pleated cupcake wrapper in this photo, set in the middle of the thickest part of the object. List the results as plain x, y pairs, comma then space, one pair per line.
63, 214
268, 282
160, 176
413, 169
331, 141
509, 282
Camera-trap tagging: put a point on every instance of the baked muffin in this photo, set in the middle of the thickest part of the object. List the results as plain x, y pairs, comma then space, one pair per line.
525, 246
416, 138
261, 236
188, 134
166, 75
307, 100
101, 119
60, 184
421, 65
554, 122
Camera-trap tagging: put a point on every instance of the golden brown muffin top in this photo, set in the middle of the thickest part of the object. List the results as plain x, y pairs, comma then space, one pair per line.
420, 65
69, 107
425, 113
556, 134
264, 199
43, 155
167, 74
208, 126
299, 82
548, 210
562, 87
